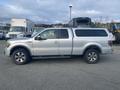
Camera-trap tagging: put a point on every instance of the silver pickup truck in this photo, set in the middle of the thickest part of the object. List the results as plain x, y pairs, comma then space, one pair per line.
56, 42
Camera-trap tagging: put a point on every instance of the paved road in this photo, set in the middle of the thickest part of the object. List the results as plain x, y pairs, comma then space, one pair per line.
61, 74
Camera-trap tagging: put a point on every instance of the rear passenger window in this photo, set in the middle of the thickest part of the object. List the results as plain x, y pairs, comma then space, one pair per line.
63, 33
90, 33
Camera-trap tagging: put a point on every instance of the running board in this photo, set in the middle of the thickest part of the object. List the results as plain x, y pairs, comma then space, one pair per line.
49, 57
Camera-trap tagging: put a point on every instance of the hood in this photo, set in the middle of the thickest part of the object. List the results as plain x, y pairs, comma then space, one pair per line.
19, 40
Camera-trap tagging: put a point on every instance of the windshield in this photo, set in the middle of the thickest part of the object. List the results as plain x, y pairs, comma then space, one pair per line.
17, 29
36, 31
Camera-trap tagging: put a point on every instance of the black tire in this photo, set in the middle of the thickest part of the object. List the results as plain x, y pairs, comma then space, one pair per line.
20, 56
91, 56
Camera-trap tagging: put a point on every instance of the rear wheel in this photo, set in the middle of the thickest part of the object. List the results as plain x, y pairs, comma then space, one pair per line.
91, 56
20, 56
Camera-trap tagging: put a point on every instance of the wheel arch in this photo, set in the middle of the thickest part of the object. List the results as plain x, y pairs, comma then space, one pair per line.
96, 47
18, 47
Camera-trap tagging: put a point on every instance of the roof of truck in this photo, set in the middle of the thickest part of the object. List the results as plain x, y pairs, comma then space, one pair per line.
76, 28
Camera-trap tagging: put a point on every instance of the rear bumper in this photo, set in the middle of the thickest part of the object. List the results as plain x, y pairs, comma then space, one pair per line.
107, 50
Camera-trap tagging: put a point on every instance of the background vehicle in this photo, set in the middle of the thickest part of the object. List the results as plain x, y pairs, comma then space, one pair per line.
81, 22
2, 35
20, 28
89, 42
115, 29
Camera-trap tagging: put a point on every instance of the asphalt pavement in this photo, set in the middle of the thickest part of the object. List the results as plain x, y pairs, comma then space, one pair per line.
61, 74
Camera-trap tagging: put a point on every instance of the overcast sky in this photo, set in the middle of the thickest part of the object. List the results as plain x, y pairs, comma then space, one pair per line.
55, 11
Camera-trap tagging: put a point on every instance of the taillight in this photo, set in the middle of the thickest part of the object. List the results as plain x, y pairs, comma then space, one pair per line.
110, 42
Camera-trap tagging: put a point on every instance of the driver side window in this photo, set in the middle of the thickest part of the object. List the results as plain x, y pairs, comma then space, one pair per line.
49, 34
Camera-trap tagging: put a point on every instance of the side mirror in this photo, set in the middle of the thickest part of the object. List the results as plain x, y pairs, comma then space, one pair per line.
39, 38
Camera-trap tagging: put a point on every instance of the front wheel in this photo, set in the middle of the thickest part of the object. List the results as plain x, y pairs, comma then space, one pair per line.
20, 56
91, 56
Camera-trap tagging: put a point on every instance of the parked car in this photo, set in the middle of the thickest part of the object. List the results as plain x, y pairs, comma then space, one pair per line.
57, 42
2, 35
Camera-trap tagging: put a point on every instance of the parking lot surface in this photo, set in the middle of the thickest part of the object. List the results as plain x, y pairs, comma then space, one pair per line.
61, 74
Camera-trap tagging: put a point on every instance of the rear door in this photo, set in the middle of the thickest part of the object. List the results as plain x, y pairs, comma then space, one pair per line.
65, 42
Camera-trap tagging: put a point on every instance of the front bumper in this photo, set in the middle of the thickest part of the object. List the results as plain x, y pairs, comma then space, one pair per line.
7, 52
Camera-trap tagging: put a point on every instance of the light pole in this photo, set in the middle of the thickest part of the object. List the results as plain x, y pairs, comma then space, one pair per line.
70, 6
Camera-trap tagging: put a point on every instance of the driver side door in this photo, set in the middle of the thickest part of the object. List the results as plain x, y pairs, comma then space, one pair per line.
47, 44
